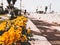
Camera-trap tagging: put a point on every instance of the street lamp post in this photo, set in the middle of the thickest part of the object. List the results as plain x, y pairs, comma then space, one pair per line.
20, 6
50, 7
20, 3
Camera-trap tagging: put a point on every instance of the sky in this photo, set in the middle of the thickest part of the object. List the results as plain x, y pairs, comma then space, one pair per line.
31, 5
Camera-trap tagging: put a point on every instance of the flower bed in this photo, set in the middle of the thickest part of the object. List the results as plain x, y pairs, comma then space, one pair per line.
14, 32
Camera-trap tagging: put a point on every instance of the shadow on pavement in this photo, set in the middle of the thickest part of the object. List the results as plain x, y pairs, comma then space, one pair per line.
53, 35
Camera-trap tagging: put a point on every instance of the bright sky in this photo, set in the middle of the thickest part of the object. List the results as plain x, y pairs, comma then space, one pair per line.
31, 5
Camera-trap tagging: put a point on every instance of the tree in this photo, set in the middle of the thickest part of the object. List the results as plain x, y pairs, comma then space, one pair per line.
9, 1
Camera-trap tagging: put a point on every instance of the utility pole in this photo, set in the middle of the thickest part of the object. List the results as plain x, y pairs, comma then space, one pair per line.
20, 6
50, 7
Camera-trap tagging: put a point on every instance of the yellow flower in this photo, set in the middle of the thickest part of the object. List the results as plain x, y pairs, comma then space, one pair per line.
17, 36
19, 23
1, 42
25, 19
2, 39
3, 26
24, 38
28, 31
8, 23
11, 29
19, 28
5, 35
15, 32
11, 39
18, 31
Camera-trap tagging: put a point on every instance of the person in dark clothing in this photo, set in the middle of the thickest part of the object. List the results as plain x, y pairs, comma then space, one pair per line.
12, 14
36, 10
46, 9
25, 12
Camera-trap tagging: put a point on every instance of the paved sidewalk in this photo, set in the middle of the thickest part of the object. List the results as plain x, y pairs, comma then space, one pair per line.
48, 31
39, 40
48, 26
